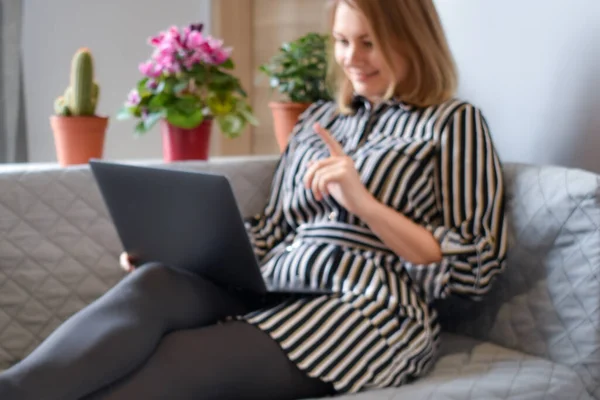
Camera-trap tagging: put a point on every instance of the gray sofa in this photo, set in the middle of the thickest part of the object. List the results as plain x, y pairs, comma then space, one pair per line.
536, 336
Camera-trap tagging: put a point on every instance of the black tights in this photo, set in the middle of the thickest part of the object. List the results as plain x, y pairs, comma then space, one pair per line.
154, 336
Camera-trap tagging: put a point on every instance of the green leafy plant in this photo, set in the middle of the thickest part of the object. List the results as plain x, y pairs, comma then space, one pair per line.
188, 79
81, 97
298, 71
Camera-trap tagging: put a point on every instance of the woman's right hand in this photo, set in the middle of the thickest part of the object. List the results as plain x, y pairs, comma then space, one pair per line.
127, 262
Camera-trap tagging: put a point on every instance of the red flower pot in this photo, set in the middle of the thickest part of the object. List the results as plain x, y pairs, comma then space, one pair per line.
185, 144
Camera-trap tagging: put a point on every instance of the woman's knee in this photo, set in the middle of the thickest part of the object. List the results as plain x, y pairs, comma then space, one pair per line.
159, 287
183, 294
156, 277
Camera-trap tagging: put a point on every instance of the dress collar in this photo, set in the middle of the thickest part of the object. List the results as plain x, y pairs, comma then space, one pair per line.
359, 101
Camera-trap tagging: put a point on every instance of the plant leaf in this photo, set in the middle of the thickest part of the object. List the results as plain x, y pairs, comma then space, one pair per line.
159, 100
142, 88
231, 125
123, 114
152, 118
187, 121
140, 128
248, 116
228, 64
180, 87
220, 105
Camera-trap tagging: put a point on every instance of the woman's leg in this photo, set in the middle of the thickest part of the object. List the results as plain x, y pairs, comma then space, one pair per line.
234, 360
116, 334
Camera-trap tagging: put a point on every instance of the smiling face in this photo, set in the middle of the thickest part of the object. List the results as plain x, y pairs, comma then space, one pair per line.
360, 58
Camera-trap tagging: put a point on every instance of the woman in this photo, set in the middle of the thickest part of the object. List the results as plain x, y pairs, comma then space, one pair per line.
392, 196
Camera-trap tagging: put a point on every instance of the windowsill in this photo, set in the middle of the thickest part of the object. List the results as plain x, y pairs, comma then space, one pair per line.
43, 166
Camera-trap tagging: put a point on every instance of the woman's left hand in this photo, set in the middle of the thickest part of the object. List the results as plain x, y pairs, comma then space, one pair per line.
337, 176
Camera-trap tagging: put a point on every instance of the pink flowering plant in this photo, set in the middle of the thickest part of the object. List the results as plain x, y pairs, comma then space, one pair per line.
188, 79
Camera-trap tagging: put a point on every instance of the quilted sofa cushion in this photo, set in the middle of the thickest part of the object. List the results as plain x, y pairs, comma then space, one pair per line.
472, 370
548, 301
59, 249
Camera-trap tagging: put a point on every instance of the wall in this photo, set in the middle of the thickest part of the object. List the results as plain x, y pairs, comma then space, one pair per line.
116, 32
534, 68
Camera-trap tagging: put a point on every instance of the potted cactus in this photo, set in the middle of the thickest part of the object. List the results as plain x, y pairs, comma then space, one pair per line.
298, 72
78, 132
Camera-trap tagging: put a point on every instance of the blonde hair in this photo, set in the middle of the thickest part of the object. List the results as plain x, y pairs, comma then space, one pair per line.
415, 27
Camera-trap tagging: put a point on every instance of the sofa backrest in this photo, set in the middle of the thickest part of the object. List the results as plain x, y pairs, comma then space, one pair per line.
547, 302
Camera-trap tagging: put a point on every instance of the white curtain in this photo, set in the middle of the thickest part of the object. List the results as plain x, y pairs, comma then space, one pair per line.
13, 134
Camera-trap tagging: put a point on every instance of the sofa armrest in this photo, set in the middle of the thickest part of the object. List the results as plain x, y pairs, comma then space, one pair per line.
58, 246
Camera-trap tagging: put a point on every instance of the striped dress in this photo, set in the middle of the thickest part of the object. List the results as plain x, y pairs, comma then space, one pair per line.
435, 165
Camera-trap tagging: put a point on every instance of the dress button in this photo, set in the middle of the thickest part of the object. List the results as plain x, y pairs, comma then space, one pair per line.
292, 246
332, 215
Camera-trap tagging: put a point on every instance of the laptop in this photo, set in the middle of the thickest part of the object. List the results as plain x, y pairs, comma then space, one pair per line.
187, 220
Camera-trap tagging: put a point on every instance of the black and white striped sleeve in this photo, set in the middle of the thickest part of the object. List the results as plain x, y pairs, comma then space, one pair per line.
471, 191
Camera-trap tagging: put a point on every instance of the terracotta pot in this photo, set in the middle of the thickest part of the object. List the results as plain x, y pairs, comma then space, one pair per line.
78, 139
285, 116
185, 144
